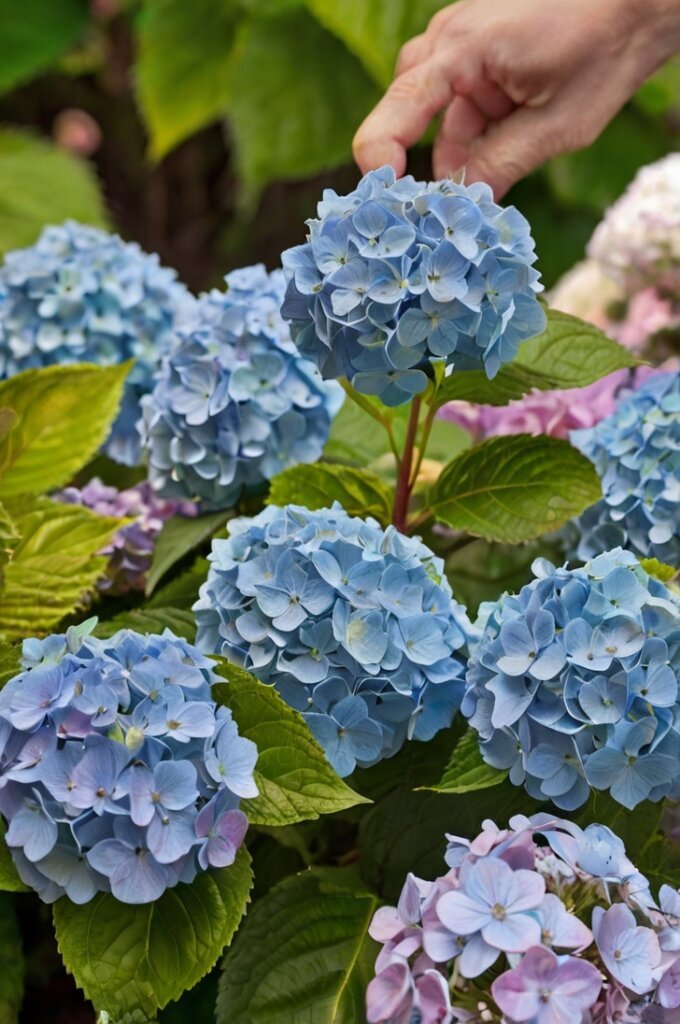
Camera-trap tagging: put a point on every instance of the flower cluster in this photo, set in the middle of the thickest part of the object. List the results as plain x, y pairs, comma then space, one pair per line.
235, 403
118, 772
575, 684
356, 626
638, 242
636, 452
399, 273
82, 295
560, 913
131, 549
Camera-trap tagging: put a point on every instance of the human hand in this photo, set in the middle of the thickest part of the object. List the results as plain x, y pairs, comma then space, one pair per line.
517, 82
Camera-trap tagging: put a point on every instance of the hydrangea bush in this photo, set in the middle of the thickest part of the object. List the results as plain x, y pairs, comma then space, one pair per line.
399, 273
234, 403
80, 295
356, 626
636, 451
574, 683
542, 922
118, 771
306, 678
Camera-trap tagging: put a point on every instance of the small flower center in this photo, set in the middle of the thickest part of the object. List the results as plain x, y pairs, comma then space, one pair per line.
498, 911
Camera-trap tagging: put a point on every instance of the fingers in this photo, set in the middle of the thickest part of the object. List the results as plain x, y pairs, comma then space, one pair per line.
403, 115
412, 53
514, 147
462, 123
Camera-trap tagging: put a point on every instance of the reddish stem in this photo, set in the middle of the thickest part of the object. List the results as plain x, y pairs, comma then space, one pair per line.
403, 490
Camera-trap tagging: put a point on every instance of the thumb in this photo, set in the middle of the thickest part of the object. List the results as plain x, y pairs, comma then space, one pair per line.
513, 147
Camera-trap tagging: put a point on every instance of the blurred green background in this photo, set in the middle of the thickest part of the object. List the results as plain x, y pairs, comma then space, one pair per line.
205, 129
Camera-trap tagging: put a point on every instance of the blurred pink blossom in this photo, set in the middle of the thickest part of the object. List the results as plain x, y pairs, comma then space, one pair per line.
77, 131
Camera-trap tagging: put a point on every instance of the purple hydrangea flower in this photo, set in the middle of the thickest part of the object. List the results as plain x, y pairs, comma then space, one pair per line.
130, 551
544, 989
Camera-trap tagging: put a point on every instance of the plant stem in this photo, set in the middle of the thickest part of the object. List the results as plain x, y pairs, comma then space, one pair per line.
369, 408
424, 438
403, 490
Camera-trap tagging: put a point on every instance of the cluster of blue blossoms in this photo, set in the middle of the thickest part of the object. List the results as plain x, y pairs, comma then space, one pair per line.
399, 273
356, 626
636, 452
80, 295
235, 403
118, 772
574, 684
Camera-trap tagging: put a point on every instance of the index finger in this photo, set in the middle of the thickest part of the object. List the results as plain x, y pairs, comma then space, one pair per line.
403, 115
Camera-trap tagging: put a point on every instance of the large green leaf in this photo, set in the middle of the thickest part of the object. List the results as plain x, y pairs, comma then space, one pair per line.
41, 184
10, 655
304, 954
467, 771
359, 491
297, 98
12, 977
515, 488
294, 779
131, 959
34, 33
178, 537
64, 416
182, 72
150, 620
9, 538
568, 354
407, 830
54, 566
181, 592
377, 30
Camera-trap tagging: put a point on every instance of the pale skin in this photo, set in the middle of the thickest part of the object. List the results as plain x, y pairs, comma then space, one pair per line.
516, 82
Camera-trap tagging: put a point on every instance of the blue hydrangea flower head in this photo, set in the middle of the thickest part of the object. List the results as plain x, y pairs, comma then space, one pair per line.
636, 452
354, 625
400, 273
81, 295
235, 403
118, 771
574, 684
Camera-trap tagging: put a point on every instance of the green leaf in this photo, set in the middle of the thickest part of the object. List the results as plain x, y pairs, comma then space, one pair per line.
151, 620
138, 958
418, 765
297, 98
9, 538
407, 830
12, 977
9, 878
64, 416
182, 73
303, 955
467, 771
178, 537
10, 655
8, 421
360, 492
294, 779
34, 33
182, 592
515, 488
54, 567
375, 31
41, 184
570, 353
